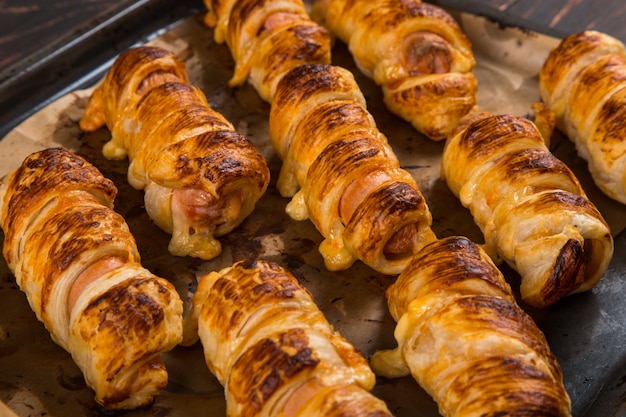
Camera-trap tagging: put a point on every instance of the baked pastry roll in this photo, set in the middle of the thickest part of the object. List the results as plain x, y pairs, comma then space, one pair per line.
529, 205
273, 350
337, 165
590, 68
464, 339
342, 173
415, 51
201, 178
78, 264
267, 39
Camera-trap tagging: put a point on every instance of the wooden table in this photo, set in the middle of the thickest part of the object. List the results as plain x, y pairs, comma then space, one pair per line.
49, 47
554, 17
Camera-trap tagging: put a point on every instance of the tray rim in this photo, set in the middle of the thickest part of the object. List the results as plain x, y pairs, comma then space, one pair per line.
89, 55
78, 58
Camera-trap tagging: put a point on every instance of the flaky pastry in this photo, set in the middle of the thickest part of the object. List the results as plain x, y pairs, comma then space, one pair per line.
415, 51
273, 350
583, 81
529, 205
267, 39
337, 166
464, 339
78, 264
342, 174
201, 177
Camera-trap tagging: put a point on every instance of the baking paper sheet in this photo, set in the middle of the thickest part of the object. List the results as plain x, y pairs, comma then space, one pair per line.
39, 378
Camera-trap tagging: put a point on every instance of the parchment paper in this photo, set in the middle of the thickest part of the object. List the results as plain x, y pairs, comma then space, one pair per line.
39, 378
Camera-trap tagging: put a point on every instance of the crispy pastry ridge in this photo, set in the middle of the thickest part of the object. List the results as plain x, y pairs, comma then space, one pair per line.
337, 166
532, 211
464, 339
273, 350
78, 264
267, 38
583, 81
201, 177
415, 51
342, 174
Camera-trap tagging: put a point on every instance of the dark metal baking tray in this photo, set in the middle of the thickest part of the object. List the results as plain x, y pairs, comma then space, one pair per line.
587, 332
81, 56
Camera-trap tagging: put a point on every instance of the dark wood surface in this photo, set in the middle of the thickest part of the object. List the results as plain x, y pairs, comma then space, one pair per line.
49, 47
27, 25
30, 29
556, 17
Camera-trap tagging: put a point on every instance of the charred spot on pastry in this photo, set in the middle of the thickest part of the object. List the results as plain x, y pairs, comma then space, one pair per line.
455, 259
535, 160
568, 272
128, 300
285, 290
274, 361
310, 46
612, 121
536, 398
485, 135
249, 263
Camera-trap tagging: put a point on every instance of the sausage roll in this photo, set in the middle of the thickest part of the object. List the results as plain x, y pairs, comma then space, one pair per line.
583, 81
464, 339
529, 205
78, 264
273, 350
201, 178
337, 165
267, 38
343, 174
415, 51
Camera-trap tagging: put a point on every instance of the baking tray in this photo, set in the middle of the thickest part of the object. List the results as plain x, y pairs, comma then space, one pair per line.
586, 331
77, 58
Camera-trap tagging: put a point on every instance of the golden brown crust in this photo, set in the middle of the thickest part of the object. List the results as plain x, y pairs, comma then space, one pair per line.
461, 267
433, 105
118, 337
415, 51
529, 205
590, 68
319, 122
267, 39
342, 174
170, 109
545, 120
284, 49
310, 85
570, 57
201, 177
272, 348
346, 401
83, 226
462, 336
123, 80
36, 179
611, 126
78, 264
